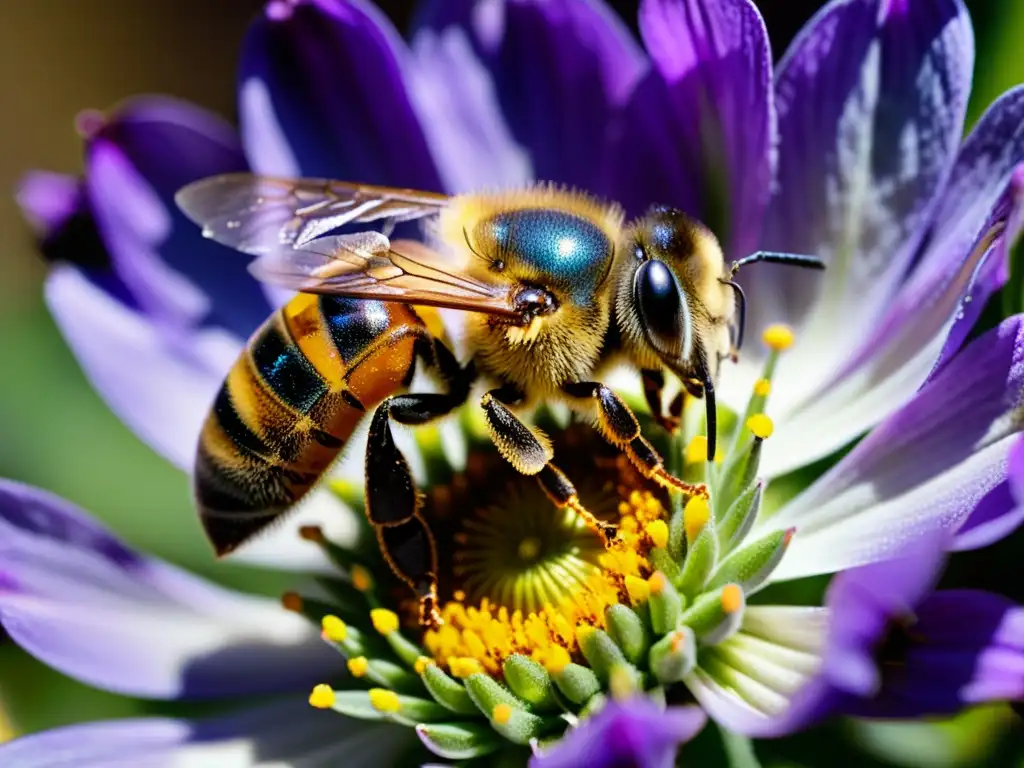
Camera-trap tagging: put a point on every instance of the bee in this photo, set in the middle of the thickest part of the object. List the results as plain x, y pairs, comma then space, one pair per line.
556, 288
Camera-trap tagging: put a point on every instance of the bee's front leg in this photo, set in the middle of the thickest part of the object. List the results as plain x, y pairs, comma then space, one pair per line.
529, 451
619, 427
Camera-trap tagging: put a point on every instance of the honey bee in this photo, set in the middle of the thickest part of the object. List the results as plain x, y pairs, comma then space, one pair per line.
556, 287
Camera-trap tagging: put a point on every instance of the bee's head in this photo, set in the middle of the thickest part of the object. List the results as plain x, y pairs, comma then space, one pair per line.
670, 297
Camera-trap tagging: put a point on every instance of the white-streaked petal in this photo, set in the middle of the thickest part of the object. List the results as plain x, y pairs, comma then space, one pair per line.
748, 682
852, 529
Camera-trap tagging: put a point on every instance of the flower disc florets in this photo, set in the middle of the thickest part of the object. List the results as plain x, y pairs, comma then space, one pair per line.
541, 621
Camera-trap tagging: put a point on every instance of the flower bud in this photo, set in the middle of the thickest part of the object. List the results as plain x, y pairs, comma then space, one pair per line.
577, 683
458, 741
530, 682
628, 632
674, 656
447, 691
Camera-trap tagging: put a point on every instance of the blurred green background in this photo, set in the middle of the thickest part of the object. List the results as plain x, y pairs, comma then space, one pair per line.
60, 56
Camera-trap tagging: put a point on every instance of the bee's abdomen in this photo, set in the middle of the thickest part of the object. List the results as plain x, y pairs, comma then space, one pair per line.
289, 404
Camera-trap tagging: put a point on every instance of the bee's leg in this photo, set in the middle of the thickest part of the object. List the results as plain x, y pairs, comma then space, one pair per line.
529, 451
620, 428
392, 501
654, 383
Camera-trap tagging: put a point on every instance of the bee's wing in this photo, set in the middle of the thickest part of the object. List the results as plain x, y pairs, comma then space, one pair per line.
367, 265
258, 214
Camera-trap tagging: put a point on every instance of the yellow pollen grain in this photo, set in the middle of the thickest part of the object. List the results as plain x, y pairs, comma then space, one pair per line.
658, 531
696, 514
761, 425
501, 714
762, 387
322, 697
384, 700
778, 337
358, 666
422, 662
732, 598
657, 583
334, 629
384, 621
361, 578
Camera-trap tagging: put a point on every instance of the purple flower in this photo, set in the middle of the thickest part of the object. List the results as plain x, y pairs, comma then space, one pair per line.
851, 150
634, 733
899, 649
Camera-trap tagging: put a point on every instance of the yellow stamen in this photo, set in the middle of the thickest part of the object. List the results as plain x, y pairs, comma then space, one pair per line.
464, 667
422, 663
621, 684
358, 666
696, 450
761, 426
501, 714
361, 578
732, 598
334, 629
384, 621
556, 659
778, 337
384, 700
696, 514
762, 387
658, 531
637, 589
322, 697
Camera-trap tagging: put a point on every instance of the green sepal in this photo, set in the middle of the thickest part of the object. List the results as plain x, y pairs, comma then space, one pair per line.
751, 566
487, 693
663, 561
600, 651
740, 517
674, 656
736, 476
677, 530
522, 727
700, 562
359, 643
708, 619
459, 741
413, 710
447, 691
387, 674
594, 705
577, 683
628, 631
666, 607
530, 682
406, 650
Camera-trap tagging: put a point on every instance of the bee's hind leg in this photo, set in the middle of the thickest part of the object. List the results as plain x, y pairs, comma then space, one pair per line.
392, 501
529, 451
619, 427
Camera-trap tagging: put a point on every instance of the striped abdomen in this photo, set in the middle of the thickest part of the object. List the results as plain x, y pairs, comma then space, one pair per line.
291, 400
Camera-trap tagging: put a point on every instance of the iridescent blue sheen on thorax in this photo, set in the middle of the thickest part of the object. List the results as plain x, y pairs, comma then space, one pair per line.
570, 250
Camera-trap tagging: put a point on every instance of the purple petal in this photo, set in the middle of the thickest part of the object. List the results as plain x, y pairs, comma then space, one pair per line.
279, 734
78, 599
562, 68
997, 515
135, 163
636, 733
962, 647
159, 385
323, 92
871, 99
926, 467
461, 116
698, 130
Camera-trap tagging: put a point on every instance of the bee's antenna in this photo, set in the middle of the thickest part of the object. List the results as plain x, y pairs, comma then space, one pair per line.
741, 311
474, 251
777, 257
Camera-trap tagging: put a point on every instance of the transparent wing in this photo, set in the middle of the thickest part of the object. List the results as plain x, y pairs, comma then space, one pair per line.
258, 214
367, 265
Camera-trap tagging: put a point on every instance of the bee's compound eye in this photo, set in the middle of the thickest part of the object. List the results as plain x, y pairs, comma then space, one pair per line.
661, 305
